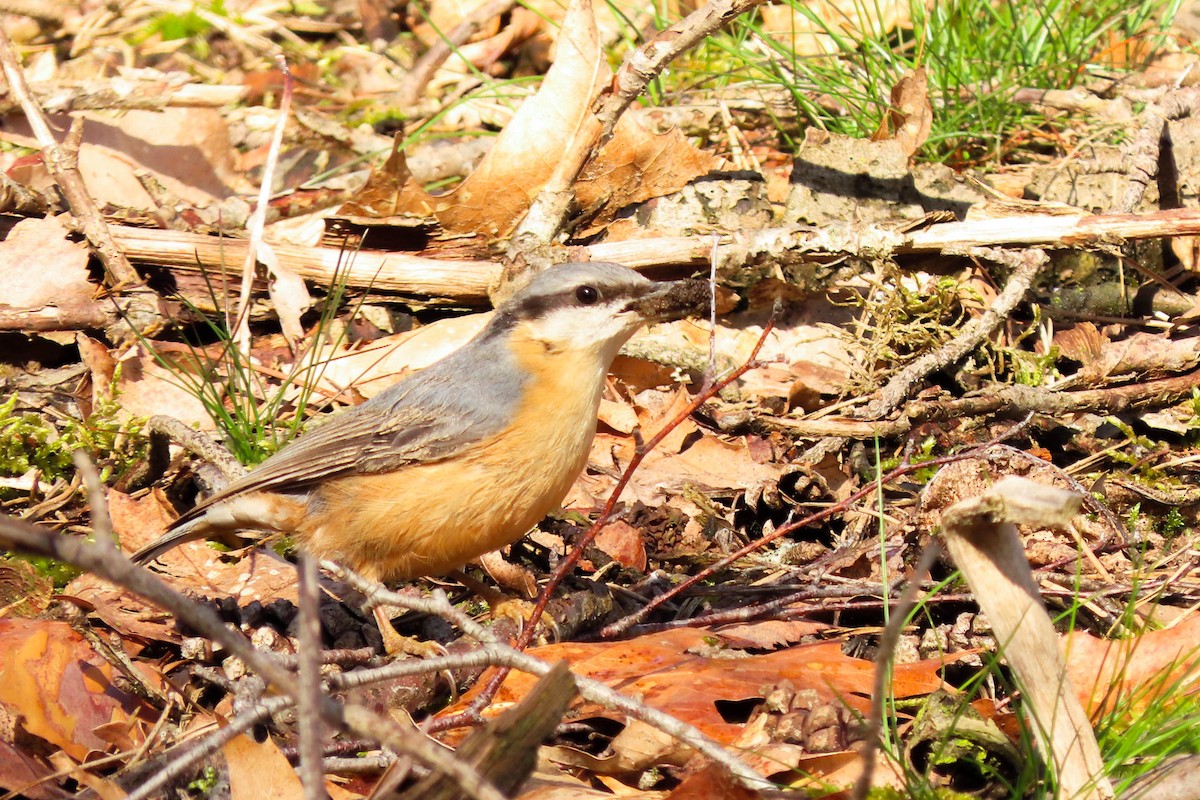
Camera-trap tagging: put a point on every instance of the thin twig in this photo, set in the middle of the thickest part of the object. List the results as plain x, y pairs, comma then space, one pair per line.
308, 697
1025, 270
883, 663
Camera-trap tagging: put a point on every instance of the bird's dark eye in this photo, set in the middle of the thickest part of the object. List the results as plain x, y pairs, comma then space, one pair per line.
587, 295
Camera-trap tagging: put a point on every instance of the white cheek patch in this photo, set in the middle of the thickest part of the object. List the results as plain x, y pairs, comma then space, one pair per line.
599, 329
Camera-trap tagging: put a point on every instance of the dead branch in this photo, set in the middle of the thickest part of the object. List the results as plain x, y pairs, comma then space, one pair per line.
61, 161
107, 562
463, 282
1027, 265
467, 281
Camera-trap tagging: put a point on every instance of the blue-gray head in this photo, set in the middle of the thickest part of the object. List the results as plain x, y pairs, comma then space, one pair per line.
596, 306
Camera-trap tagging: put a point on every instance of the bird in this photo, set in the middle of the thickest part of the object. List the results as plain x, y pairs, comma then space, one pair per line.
462, 457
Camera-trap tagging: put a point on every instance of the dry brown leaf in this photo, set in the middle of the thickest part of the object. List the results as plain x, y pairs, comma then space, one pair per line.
288, 294
664, 670
910, 117
22, 771
623, 543
550, 135
1141, 353
443, 15
617, 415
41, 269
1137, 671
372, 368
55, 687
391, 194
769, 634
636, 165
1187, 250
687, 458
144, 388
187, 150
258, 771
711, 782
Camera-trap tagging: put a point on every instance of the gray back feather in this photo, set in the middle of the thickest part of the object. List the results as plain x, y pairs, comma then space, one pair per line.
433, 414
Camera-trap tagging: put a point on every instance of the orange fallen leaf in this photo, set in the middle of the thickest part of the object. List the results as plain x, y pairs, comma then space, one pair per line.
58, 689
668, 671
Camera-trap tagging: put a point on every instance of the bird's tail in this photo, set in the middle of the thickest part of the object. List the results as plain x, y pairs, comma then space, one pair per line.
257, 511
188, 531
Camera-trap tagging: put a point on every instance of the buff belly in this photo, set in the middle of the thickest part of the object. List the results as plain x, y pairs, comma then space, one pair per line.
428, 519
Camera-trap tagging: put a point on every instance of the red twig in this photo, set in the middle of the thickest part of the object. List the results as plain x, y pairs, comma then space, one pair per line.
481, 702
621, 625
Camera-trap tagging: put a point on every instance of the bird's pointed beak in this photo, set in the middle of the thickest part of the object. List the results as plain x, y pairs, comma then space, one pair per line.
673, 300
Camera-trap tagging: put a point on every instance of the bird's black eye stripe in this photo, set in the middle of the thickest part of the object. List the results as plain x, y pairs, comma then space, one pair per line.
587, 295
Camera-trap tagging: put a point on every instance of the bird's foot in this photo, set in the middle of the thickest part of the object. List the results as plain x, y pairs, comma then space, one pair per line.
506, 606
394, 644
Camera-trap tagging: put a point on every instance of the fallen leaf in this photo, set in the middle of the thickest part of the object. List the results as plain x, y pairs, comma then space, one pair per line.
710, 782
55, 687
910, 116
258, 771
1130, 674
769, 634
288, 294
186, 149
665, 671
144, 387
372, 368
45, 275
622, 542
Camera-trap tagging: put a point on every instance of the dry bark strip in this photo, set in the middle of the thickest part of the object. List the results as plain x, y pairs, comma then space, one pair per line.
982, 539
467, 281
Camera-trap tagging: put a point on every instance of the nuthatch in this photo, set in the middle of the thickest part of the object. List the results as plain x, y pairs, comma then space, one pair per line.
462, 457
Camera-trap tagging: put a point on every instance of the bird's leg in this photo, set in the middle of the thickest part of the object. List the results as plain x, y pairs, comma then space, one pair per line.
503, 605
394, 644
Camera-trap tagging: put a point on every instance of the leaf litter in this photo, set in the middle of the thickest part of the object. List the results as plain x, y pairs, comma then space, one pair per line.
779, 665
